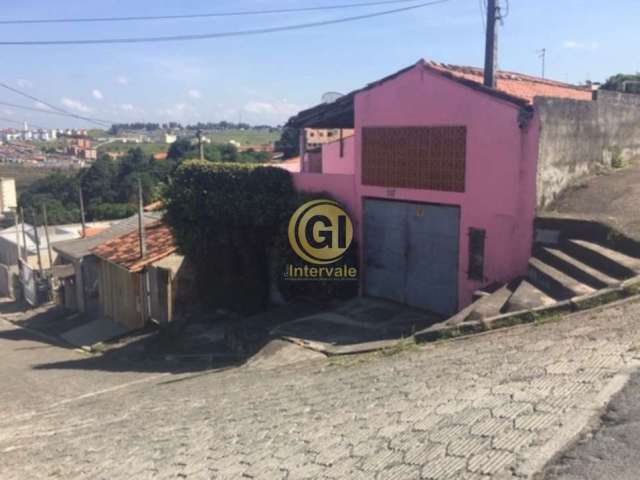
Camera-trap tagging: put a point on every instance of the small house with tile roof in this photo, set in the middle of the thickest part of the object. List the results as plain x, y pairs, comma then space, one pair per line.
443, 175
137, 287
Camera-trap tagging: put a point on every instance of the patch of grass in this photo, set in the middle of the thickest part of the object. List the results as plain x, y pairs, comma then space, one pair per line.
541, 319
404, 346
617, 159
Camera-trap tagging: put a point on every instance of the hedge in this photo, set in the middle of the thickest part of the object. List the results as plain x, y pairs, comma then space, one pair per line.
231, 221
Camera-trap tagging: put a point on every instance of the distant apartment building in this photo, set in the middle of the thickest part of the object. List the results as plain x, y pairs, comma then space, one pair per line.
163, 137
82, 147
316, 137
8, 198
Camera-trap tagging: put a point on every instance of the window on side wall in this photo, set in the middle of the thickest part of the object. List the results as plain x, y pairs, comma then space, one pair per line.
477, 240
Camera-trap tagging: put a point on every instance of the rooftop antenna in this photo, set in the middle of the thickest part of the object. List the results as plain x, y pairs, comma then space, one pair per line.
543, 57
331, 97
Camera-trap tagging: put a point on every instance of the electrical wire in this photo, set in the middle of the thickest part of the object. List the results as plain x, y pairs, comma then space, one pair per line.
16, 122
101, 123
205, 36
96, 121
202, 15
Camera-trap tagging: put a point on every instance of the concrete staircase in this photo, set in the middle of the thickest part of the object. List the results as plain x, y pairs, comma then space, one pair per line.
559, 270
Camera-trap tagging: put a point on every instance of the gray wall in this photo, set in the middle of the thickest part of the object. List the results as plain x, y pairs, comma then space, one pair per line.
578, 138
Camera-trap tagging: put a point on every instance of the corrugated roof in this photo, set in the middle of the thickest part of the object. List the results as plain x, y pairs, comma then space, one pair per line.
125, 250
81, 247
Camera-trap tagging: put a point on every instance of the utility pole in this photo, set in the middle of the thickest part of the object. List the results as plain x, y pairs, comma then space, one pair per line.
46, 234
16, 221
84, 227
24, 237
141, 236
543, 56
200, 145
491, 44
37, 240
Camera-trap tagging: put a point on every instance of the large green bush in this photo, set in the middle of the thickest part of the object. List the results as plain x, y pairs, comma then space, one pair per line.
226, 218
231, 220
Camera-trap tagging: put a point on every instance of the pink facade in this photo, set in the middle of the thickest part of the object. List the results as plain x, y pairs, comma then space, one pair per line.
501, 163
338, 157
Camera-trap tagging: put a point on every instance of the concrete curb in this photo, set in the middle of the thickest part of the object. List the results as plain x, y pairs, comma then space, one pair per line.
353, 349
629, 289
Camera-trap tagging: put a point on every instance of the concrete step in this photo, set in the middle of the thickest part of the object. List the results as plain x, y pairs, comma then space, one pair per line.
463, 315
575, 268
553, 282
490, 305
527, 296
611, 262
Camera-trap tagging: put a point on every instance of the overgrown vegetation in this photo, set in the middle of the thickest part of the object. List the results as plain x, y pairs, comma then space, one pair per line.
230, 219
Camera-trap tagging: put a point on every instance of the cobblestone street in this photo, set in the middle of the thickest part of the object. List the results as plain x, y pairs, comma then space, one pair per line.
497, 405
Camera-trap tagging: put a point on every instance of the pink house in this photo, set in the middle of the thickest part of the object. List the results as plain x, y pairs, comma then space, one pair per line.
440, 177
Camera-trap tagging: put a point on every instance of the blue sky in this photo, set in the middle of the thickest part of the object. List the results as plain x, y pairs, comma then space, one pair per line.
266, 78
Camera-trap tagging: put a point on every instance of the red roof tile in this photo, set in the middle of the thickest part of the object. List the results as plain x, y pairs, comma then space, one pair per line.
91, 231
518, 85
155, 206
125, 250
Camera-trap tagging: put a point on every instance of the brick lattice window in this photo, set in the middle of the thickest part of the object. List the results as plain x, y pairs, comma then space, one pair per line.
429, 158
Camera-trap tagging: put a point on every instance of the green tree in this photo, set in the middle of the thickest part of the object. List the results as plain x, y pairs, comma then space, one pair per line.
616, 82
180, 149
289, 143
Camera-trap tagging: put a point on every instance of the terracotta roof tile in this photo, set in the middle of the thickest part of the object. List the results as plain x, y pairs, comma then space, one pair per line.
125, 250
518, 85
91, 231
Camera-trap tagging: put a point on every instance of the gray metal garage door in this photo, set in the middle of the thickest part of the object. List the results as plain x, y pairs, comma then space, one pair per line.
411, 253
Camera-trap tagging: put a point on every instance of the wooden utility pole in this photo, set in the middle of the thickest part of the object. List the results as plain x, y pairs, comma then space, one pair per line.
84, 227
36, 238
24, 237
46, 234
141, 235
200, 145
16, 221
491, 44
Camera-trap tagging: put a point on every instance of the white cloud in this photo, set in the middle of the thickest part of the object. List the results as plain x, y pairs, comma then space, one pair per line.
127, 107
122, 80
273, 108
75, 105
97, 94
42, 106
22, 83
193, 93
575, 45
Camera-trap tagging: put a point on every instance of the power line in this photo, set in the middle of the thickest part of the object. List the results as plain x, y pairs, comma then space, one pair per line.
102, 123
205, 36
16, 122
203, 15
53, 107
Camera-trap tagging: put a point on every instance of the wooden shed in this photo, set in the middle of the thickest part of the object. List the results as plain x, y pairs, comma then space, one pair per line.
132, 290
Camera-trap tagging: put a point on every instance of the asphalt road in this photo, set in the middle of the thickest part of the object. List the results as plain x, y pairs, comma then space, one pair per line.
488, 407
612, 452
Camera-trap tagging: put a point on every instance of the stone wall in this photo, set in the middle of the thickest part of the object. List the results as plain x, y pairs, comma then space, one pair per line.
579, 138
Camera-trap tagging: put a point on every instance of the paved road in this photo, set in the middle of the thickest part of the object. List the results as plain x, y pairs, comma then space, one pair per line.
611, 452
490, 407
